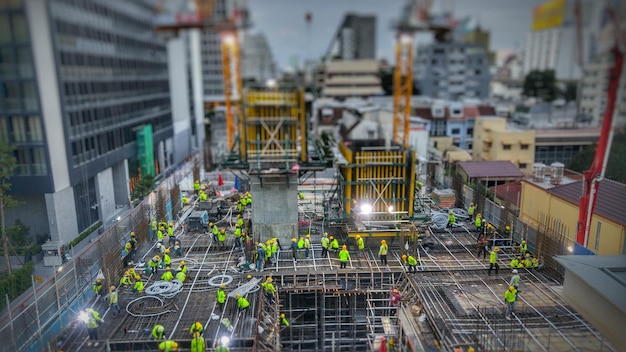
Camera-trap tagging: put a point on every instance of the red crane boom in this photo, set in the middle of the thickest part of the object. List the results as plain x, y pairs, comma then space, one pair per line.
595, 173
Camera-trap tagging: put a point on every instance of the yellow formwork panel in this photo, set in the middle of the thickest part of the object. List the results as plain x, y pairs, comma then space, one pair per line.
274, 126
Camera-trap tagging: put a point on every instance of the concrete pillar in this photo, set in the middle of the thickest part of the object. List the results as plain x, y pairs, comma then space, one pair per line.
274, 207
105, 192
62, 215
121, 183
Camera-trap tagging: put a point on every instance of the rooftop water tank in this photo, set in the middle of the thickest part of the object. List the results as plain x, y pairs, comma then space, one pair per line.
557, 173
539, 171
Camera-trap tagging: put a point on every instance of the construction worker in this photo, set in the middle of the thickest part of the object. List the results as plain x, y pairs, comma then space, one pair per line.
515, 262
237, 236
535, 262
360, 244
93, 320
382, 252
528, 262
294, 249
239, 220
182, 267
394, 300
167, 346
202, 196
133, 244
138, 286
221, 296
242, 302
325, 243
451, 219
215, 231
482, 246
197, 344
412, 264
153, 228
154, 264
196, 328
248, 198
344, 256
269, 290
221, 237
300, 195
523, 247
97, 288
126, 251
404, 260
177, 250
180, 275
167, 261
471, 210
160, 235
113, 301
507, 231
170, 230
509, 299
260, 257
185, 200
334, 244
125, 280
167, 275
196, 187
515, 281
283, 320
479, 223
307, 245
158, 332
300, 244
493, 260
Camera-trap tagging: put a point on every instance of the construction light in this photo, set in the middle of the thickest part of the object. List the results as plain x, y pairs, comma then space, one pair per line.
229, 40
390, 209
225, 340
366, 209
570, 249
271, 83
406, 39
83, 316
60, 269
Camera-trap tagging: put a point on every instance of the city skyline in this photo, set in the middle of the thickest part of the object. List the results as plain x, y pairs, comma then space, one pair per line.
509, 22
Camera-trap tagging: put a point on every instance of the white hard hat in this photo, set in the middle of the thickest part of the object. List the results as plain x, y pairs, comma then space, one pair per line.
515, 271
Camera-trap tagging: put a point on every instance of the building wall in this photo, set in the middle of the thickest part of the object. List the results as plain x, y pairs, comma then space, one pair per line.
31, 211
180, 97
62, 215
493, 141
105, 192
275, 208
452, 71
536, 203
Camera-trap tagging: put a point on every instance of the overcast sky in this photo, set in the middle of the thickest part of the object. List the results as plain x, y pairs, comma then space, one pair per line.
283, 23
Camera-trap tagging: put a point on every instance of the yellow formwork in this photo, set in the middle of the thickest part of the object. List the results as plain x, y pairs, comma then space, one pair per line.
274, 127
382, 178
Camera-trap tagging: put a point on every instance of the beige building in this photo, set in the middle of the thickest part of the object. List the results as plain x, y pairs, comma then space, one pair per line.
352, 78
494, 140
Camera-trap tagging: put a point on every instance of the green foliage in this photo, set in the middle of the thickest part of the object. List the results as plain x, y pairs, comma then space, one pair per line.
386, 82
16, 283
18, 233
571, 90
84, 234
541, 84
143, 187
7, 167
616, 166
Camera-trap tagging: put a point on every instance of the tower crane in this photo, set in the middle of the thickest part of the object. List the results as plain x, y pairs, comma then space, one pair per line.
203, 18
595, 174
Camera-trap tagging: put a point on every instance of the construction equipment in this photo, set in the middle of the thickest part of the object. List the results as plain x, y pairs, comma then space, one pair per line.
595, 174
203, 19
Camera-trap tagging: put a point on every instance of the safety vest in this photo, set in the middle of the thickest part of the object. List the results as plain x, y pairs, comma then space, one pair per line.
515, 280
138, 286
412, 260
301, 243
238, 232
221, 296
514, 263
325, 242
334, 244
242, 303
383, 249
167, 346
478, 222
221, 236
197, 344
493, 257
360, 243
471, 210
509, 295
113, 298
167, 276
180, 276
166, 260
307, 243
215, 230
160, 235
94, 318
344, 255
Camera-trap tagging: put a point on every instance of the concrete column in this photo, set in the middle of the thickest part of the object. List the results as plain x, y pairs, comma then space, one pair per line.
274, 207
105, 192
62, 215
120, 183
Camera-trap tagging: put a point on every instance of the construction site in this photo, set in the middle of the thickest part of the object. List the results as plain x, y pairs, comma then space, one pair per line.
278, 182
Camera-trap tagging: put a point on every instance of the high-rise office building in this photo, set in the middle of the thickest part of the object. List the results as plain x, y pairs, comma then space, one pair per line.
355, 38
257, 62
82, 81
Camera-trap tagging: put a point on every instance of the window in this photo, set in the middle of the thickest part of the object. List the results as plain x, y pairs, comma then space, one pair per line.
34, 129
470, 131
5, 28
522, 165
456, 131
524, 147
477, 72
4, 129
19, 129
506, 147
39, 161
19, 28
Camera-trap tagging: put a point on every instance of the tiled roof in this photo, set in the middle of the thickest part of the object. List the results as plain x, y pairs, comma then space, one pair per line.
491, 169
425, 113
610, 203
486, 110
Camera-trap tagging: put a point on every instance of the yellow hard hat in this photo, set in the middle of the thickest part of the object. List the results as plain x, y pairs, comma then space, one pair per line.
507, 227
527, 255
293, 239
99, 280
198, 325
168, 268
175, 345
383, 241
331, 237
223, 231
132, 234
211, 224
478, 214
523, 241
238, 216
112, 288
249, 276
182, 262
237, 295
511, 288
269, 279
171, 224
177, 243
167, 250
282, 316
344, 247
223, 286
308, 236
496, 248
126, 273
325, 233
157, 257
358, 236
404, 256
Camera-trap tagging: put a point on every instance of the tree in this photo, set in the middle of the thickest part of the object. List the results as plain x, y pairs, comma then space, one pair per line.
571, 91
386, 82
541, 84
7, 167
616, 166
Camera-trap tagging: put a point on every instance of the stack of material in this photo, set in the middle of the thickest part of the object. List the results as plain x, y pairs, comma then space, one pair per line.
444, 198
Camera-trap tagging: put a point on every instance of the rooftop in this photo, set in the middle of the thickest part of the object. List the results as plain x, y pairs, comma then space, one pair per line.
610, 203
490, 169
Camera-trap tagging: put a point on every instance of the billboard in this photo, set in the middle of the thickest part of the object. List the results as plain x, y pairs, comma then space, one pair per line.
549, 14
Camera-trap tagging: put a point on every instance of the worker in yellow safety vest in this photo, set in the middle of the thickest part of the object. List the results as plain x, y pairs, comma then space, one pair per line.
344, 256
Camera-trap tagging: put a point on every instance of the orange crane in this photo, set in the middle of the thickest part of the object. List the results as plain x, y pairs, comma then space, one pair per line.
595, 174
231, 65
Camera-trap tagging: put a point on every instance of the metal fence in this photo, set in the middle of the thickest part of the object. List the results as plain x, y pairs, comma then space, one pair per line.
35, 321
